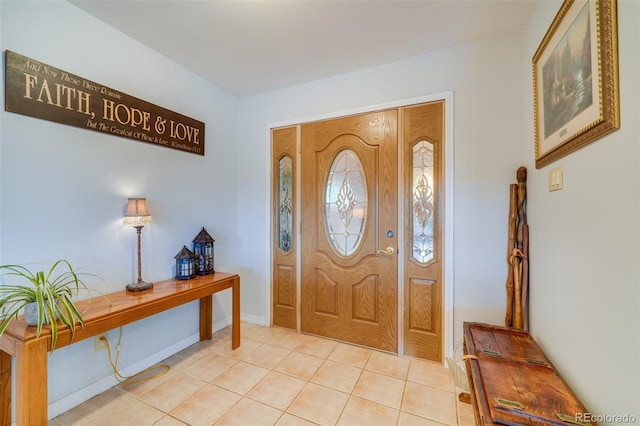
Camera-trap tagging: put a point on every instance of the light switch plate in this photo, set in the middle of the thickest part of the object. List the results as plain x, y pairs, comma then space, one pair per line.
555, 179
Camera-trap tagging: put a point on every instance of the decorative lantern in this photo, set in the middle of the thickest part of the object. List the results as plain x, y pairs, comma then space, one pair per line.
203, 251
185, 264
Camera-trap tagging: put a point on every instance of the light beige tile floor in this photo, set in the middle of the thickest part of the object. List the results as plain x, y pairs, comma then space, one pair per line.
279, 377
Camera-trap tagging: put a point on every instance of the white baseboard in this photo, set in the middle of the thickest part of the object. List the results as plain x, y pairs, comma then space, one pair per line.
77, 398
253, 319
107, 383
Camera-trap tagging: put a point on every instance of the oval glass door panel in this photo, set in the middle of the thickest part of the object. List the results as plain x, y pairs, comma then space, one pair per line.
345, 207
423, 201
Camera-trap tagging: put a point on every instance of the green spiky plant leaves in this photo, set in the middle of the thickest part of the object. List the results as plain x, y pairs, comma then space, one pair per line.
52, 291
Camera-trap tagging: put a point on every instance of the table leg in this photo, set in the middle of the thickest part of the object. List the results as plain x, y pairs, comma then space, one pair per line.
31, 382
235, 321
5, 389
206, 318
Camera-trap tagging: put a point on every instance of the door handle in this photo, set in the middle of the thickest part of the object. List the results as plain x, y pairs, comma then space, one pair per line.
389, 250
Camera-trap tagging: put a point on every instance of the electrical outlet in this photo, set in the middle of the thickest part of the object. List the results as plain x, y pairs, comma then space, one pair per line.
98, 343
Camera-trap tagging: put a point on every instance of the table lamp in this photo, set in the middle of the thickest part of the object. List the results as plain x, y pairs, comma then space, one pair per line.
138, 216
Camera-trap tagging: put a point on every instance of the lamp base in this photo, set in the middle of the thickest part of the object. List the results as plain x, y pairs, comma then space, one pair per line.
139, 286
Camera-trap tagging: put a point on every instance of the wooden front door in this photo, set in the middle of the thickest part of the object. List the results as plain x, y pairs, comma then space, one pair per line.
349, 230
423, 193
284, 301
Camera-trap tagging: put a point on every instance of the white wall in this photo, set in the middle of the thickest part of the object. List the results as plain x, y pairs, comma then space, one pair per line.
63, 189
585, 252
487, 79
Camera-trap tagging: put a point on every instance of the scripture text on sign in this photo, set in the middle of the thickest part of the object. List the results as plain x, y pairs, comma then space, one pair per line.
39, 90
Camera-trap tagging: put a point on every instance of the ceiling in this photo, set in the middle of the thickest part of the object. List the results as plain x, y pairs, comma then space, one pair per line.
249, 47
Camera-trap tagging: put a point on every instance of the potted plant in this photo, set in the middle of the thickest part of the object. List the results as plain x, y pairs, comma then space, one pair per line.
47, 295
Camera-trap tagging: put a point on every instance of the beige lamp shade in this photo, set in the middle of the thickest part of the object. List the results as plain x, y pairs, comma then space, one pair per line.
137, 213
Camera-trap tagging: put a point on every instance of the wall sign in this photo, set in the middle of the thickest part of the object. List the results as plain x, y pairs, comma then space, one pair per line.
39, 90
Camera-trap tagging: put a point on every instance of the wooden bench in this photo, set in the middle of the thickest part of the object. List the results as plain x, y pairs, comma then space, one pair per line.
31, 353
512, 382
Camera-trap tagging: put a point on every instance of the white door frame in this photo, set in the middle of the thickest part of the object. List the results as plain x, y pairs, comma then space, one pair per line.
448, 270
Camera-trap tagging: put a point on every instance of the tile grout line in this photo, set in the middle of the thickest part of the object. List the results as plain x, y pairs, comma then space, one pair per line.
281, 337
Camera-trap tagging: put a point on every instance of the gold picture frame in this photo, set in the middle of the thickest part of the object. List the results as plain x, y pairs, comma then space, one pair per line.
575, 79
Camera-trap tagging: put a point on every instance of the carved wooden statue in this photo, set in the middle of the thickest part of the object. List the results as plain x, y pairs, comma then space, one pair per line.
517, 283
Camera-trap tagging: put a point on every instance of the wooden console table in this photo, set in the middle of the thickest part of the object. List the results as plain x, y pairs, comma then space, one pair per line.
31, 353
512, 382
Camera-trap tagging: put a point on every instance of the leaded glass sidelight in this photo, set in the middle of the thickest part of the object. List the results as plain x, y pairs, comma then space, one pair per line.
345, 207
422, 208
285, 203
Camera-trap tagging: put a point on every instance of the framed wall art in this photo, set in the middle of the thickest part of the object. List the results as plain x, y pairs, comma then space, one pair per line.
575, 79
